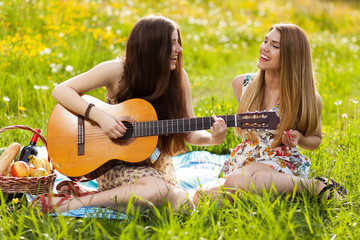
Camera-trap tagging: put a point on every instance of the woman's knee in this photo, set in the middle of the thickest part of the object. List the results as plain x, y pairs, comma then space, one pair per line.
179, 199
156, 188
237, 179
211, 189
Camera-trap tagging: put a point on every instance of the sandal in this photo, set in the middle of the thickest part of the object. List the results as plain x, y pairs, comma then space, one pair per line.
331, 186
72, 188
46, 202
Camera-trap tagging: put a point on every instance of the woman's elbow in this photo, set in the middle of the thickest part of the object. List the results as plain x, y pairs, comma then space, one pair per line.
55, 93
315, 144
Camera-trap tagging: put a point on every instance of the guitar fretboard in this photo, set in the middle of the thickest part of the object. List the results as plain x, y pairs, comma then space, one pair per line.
160, 127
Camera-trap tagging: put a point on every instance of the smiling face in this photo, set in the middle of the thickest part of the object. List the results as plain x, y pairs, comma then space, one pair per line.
269, 59
175, 49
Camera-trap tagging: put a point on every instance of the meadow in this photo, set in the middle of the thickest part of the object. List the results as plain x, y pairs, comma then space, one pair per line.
45, 42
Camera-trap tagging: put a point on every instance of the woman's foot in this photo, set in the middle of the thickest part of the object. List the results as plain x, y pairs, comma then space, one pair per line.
331, 189
49, 203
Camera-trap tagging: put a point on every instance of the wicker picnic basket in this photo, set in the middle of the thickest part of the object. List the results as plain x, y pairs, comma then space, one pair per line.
30, 185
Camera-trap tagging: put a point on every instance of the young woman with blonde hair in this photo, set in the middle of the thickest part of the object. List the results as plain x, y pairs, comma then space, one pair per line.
285, 84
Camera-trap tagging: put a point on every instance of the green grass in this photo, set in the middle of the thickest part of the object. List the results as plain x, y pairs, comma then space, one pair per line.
39, 39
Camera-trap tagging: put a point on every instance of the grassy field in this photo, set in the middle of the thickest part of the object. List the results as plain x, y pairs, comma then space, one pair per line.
43, 43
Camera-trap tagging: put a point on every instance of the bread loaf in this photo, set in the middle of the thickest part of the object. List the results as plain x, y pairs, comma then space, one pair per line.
7, 156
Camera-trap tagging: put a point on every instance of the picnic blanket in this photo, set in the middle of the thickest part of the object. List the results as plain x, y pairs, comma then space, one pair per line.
193, 169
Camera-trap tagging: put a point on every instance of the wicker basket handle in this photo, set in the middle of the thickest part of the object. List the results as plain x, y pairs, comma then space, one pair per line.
23, 127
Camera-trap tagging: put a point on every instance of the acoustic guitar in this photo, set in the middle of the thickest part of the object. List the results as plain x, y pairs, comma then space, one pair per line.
80, 150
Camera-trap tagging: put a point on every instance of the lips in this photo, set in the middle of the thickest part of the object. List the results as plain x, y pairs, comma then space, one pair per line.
173, 60
264, 57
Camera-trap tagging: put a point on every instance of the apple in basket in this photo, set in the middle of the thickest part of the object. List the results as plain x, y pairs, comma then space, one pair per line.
31, 166
20, 169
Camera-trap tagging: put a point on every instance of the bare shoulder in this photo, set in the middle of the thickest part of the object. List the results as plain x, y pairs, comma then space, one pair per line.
107, 73
184, 73
237, 86
185, 78
238, 80
114, 67
318, 100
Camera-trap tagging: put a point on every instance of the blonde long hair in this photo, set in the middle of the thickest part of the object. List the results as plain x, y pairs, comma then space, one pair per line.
299, 108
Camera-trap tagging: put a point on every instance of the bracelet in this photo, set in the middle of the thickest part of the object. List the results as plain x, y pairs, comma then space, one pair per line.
86, 116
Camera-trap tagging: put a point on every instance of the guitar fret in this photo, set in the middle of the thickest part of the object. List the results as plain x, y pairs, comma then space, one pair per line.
153, 128
181, 125
143, 129
167, 126
193, 126
172, 126
160, 127
208, 123
177, 125
149, 129
157, 128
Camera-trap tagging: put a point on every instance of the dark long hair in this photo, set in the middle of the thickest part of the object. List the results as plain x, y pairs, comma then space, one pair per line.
147, 74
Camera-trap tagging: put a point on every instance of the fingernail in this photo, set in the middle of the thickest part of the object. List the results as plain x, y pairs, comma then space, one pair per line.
288, 133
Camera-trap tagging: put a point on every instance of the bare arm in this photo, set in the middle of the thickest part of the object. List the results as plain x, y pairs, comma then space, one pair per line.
200, 138
237, 85
106, 75
310, 142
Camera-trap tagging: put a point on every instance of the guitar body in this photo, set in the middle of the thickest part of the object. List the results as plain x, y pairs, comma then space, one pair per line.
98, 149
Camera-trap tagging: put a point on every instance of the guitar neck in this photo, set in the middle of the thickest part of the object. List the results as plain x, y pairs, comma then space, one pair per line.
161, 127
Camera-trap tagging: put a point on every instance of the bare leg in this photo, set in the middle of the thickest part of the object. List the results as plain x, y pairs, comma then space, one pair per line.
212, 189
257, 176
146, 191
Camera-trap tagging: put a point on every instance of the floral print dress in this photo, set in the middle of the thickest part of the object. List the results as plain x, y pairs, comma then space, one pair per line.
282, 159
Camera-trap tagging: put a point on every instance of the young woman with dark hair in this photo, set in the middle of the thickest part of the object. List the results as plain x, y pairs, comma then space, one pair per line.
151, 69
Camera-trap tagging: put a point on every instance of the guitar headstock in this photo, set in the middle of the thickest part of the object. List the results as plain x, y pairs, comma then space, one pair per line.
258, 120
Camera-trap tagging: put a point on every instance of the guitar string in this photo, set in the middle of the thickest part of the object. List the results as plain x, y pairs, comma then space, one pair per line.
188, 124
98, 134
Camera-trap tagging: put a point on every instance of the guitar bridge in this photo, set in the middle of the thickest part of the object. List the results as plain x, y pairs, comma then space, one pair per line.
81, 135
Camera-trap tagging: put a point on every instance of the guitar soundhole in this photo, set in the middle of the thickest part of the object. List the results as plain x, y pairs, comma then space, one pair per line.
129, 130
